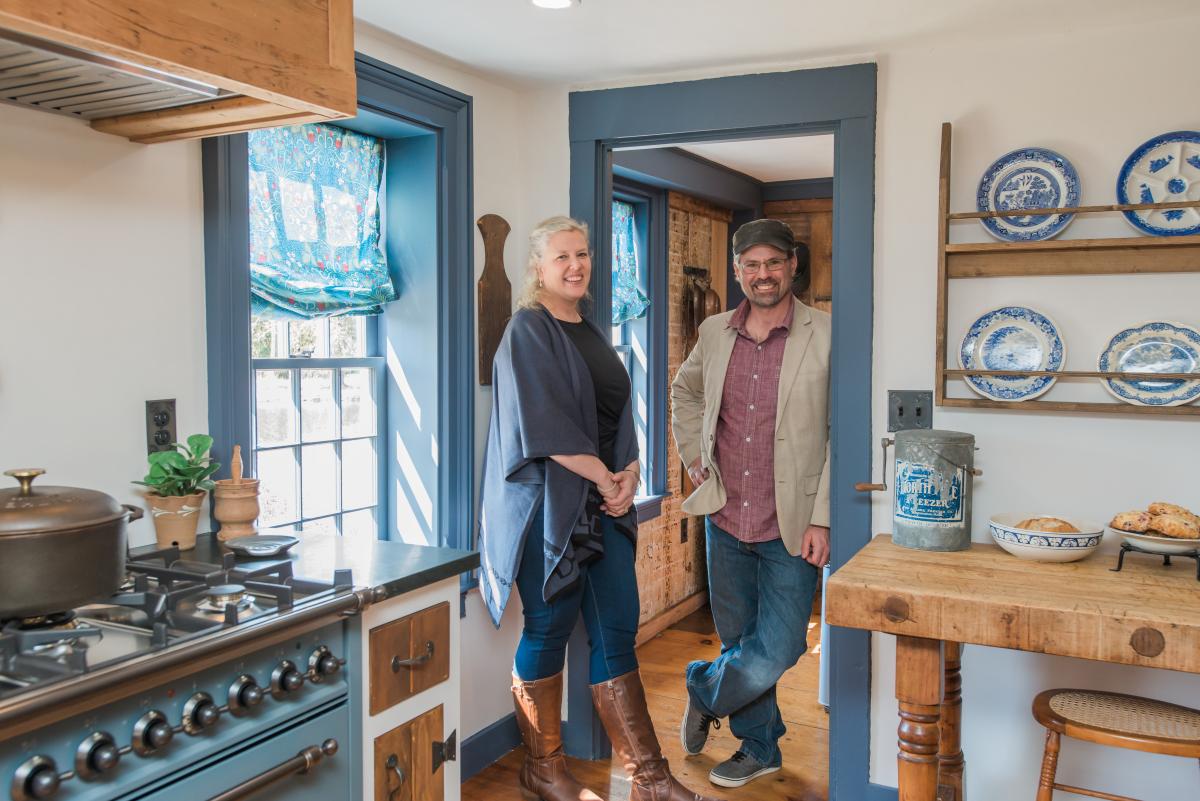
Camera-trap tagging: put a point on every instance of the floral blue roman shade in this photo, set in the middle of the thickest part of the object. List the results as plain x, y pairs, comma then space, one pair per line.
314, 223
629, 302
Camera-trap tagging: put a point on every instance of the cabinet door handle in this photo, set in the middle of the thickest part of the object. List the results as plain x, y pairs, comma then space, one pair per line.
393, 763
415, 661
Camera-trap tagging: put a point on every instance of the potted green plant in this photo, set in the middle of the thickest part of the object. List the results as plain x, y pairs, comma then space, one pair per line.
177, 482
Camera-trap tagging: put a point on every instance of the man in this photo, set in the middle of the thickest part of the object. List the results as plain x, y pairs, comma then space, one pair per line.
750, 419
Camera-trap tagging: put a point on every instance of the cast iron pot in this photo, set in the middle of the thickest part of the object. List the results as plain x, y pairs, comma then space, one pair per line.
60, 547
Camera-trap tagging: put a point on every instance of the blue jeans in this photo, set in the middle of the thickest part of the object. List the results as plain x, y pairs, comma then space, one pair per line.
607, 596
761, 600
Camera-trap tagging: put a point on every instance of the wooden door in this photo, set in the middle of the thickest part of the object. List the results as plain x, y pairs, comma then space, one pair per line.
812, 222
404, 761
408, 656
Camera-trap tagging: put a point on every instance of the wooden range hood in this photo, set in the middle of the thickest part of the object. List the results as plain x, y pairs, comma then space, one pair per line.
161, 70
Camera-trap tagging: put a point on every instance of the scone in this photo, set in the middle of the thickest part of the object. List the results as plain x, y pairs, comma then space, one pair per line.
1164, 508
1050, 525
1176, 526
1136, 522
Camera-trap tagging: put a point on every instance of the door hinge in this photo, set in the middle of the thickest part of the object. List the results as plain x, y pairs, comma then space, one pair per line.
445, 752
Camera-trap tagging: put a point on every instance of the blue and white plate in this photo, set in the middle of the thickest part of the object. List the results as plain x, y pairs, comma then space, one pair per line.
1165, 169
1154, 347
1029, 178
1012, 338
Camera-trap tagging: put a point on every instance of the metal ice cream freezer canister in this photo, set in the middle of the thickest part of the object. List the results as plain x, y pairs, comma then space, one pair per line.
932, 489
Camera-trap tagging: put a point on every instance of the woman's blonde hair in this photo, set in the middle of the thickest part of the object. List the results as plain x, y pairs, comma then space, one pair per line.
538, 238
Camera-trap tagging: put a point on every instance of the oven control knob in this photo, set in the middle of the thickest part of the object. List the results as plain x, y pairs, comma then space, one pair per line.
37, 778
151, 732
285, 679
244, 695
96, 755
199, 713
322, 664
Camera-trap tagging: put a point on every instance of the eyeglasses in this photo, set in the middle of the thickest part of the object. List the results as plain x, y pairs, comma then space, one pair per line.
770, 265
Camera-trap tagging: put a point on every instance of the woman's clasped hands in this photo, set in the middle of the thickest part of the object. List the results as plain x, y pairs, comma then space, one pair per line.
618, 492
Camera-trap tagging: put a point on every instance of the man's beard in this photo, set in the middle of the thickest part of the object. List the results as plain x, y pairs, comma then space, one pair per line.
764, 301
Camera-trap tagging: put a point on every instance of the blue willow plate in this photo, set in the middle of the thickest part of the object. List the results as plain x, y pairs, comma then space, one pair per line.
1029, 178
1165, 169
1011, 338
1155, 347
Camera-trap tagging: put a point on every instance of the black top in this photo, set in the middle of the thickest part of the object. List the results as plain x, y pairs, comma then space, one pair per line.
610, 381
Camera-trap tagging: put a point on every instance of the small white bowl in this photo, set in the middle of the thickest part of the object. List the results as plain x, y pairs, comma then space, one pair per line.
1043, 546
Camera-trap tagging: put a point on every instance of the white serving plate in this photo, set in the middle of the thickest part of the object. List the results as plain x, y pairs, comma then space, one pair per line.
1041, 546
1154, 543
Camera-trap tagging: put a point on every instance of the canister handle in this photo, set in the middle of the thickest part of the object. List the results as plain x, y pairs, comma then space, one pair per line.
863, 486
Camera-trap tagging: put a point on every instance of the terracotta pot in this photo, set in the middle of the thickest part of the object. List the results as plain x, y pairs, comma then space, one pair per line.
235, 507
176, 518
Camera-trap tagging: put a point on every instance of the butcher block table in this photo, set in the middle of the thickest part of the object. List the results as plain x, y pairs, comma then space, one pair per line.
1148, 614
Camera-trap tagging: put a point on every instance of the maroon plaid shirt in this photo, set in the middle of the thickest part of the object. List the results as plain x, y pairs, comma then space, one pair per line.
746, 431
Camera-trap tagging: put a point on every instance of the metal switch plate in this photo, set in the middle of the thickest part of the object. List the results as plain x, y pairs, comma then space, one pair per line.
908, 409
160, 425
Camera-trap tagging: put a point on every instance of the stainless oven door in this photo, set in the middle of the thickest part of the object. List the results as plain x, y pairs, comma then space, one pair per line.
289, 765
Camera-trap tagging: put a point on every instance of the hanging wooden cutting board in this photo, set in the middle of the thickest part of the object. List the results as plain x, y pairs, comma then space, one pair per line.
494, 293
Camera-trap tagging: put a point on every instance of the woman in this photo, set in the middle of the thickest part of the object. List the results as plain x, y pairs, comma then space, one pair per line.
559, 476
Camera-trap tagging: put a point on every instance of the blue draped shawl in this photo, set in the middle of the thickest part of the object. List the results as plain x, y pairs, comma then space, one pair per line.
543, 404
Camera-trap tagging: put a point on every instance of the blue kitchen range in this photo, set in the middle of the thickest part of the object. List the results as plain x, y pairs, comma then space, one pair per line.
194, 681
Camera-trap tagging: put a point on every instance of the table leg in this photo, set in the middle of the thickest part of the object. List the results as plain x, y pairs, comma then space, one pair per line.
950, 756
919, 680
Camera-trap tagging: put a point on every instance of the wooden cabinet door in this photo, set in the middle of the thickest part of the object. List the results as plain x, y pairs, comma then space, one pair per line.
409, 656
404, 769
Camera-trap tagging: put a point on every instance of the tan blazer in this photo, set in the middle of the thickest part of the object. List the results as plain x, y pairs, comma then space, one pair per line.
801, 422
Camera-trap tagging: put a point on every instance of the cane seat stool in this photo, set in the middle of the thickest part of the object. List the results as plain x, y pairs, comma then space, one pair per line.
1123, 721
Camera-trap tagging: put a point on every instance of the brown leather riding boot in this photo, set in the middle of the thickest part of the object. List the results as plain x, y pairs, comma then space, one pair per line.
621, 703
545, 776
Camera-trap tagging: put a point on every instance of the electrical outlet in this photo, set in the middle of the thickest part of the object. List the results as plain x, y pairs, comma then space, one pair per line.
160, 424
683, 529
908, 409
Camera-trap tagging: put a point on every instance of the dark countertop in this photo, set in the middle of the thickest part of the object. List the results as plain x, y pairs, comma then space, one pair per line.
388, 568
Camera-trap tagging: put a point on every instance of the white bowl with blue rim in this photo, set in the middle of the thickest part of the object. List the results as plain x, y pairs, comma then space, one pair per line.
1157, 346
1028, 178
1044, 546
1165, 169
1012, 338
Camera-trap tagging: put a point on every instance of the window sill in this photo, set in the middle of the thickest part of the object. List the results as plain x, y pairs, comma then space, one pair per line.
648, 507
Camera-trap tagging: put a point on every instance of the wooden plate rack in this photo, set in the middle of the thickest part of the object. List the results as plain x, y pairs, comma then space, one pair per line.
1112, 256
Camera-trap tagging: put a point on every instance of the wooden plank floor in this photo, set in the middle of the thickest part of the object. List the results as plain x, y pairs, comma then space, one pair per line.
805, 747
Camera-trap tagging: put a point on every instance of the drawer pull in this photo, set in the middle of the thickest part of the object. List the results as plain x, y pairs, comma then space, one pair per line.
415, 661
393, 763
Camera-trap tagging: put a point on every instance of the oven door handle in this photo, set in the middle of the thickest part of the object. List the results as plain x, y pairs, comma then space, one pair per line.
303, 762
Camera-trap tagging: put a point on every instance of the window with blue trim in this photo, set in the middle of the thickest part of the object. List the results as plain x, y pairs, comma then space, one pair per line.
339, 351
639, 311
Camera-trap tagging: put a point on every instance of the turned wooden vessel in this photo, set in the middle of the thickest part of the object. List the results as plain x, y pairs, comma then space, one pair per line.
235, 502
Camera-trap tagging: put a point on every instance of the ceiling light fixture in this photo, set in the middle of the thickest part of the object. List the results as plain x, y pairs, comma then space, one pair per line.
555, 4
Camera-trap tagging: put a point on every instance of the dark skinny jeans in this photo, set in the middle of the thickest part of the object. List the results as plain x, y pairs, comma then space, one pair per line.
606, 595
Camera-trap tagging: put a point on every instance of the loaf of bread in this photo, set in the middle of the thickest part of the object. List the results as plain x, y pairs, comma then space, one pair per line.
1050, 525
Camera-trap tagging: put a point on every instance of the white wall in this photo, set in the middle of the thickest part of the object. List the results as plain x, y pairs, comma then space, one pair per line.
1093, 95
101, 300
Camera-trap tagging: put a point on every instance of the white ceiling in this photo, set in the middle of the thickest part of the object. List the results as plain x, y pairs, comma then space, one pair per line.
788, 159
608, 41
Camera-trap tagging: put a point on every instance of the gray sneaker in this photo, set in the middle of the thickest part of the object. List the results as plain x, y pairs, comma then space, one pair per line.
738, 770
693, 730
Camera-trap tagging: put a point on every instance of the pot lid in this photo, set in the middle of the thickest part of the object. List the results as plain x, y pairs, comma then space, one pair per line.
28, 509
